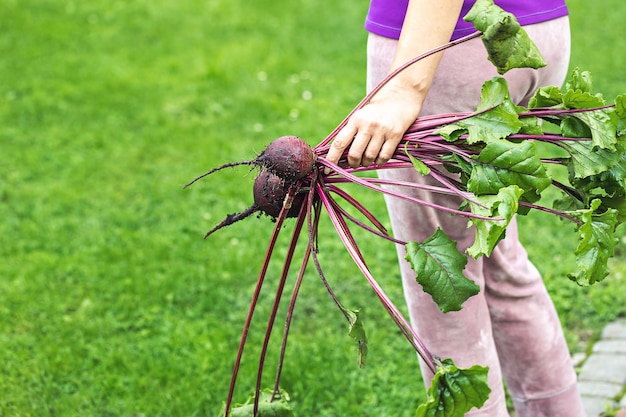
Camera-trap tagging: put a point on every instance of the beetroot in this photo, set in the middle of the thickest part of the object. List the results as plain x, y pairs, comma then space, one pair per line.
269, 194
284, 162
289, 157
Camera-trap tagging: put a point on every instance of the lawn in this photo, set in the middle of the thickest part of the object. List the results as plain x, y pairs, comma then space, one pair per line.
111, 303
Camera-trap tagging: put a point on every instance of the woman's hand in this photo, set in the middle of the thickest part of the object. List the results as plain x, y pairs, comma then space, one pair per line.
374, 131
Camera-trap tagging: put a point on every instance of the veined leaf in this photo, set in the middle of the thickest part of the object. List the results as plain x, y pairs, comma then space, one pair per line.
492, 125
578, 99
452, 132
617, 203
549, 96
586, 160
439, 268
419, 166
357, 332
454, 391
500, 118
577, 94
496, 117
574, 127
601, 126
507, 43
501, 207
530, 126
596, 244
495, 92
504, 163
612, 180
580, 80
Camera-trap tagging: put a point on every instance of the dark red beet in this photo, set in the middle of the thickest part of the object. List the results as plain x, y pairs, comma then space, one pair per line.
289, 157
269, 194
284, 161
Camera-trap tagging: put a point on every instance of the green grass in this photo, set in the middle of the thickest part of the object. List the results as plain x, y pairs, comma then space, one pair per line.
111, 304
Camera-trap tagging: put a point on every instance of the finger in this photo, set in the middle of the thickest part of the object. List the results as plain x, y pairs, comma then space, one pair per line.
372, 151
340, 143
358, 147
386, 151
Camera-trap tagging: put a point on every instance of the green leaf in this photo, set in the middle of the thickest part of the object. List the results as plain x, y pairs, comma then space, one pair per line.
507, 43
618, 204
456, 164
492, 125
579, 80
439, 268
601, 125
496, 116
612, 180
504, 163
597, 124
573, 127
452, 132
596, 244
495, 92
586, 160
419, 166
357, 332
578, 99
454, 391
501, 208
269, 406
578, 94
549, 96
530, 126
499, 117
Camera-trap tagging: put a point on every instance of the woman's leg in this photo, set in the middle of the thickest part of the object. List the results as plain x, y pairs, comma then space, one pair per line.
488, 330
464, 336
534, 355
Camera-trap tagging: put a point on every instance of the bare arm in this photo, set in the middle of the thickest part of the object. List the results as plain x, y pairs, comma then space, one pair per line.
373, 133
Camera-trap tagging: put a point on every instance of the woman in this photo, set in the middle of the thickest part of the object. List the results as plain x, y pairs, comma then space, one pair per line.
511, 326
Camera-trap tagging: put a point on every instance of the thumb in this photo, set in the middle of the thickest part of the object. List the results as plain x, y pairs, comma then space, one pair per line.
341, 142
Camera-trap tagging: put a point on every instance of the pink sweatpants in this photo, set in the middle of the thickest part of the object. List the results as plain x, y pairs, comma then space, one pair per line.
511, 326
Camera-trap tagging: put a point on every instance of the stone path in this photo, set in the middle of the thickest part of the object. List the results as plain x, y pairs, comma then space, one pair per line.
602, 378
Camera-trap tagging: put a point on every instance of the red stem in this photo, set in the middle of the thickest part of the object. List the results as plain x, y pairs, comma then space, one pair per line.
548, 112
255, 298
290, 309
306, 210
367, 184
277, 299
340, 210
361, 208
348, 240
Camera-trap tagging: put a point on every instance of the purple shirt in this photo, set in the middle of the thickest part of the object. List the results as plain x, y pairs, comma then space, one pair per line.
385, 17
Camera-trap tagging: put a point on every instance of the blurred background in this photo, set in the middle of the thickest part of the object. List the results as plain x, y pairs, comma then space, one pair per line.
111, 303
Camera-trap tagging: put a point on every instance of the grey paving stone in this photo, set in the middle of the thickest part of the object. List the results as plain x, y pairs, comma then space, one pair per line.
615, 330
604, 367
610, 346
603, 375
578, 358
594, 406
599, 389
